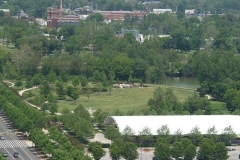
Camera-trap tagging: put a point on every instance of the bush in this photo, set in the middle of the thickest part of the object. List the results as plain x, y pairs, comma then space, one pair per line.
62, 97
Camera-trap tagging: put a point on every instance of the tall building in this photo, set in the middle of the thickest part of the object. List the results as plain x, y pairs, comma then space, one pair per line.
56, 17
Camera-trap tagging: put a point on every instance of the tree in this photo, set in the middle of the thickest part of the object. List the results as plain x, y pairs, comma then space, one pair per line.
100, 116
18, 83
52, 76
177, 150
112, 133
190, 152
185, 142
145, 135
195, 135
122, 67
116, 149
95, 17
220, 151
164, 132
74, 95
51, 98
97, 151
84, 82
128, 134
206, 149
99, 88
162, 151
229, 134
29, 83
75, 81
129, 151
65, 110
82, 112
177, 135
70, 89
53, 108
212, 134
45, 89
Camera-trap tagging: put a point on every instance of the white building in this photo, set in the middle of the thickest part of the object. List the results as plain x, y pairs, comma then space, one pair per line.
183, 123
190, 11
41, 21
160, 11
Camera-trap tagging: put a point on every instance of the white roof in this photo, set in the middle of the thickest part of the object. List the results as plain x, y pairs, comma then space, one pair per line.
183, 122
189, 11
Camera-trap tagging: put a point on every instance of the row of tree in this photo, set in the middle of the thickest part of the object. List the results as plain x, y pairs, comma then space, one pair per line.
36, 117
146, 138
184, 148
208, 148
78, 122
55, 144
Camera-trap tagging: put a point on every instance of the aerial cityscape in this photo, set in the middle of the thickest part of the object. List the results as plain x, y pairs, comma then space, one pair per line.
119, 79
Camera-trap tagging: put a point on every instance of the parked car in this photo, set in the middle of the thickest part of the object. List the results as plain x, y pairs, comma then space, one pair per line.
5, 154
16, 154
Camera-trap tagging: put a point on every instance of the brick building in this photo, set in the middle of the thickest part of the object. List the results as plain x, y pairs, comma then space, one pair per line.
119, 15
6, 12
56, 17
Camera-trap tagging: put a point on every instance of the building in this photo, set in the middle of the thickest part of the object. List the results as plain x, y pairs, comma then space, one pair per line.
119, 15
6, 12
183, 123
41, 21
190, 12
160, 11
83, 10
56, 17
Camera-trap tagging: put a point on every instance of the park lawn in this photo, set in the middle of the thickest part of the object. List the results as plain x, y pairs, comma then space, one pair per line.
220, 107
125, 99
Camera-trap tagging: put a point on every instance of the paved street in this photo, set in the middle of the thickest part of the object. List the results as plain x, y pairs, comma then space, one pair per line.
13, 143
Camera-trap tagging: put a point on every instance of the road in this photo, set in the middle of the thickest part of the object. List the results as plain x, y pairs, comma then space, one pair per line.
14, 143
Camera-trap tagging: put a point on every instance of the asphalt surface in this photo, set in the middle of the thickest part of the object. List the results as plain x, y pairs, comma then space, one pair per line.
13, 143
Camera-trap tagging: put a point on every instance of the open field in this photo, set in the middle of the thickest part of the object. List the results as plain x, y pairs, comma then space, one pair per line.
124, 99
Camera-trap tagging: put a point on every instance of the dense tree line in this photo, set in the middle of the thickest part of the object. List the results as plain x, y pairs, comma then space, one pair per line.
167, 145
25, 122
36, 117
78, 122
165, 102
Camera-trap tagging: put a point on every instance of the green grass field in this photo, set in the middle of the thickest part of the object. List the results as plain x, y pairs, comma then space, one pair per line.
124, 99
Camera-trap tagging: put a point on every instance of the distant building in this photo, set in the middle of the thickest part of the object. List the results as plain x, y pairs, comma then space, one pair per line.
160, 11
23, 15
119, 15
6, 12
41, 21
56, 17
84, 10
83, 16
190, 12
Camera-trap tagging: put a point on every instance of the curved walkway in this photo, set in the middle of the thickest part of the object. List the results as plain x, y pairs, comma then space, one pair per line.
12, 84
28, 89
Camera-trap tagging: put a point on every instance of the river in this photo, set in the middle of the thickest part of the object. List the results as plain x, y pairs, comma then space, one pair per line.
185, 82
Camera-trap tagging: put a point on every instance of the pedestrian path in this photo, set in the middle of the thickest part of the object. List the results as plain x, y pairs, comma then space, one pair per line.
13, 144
